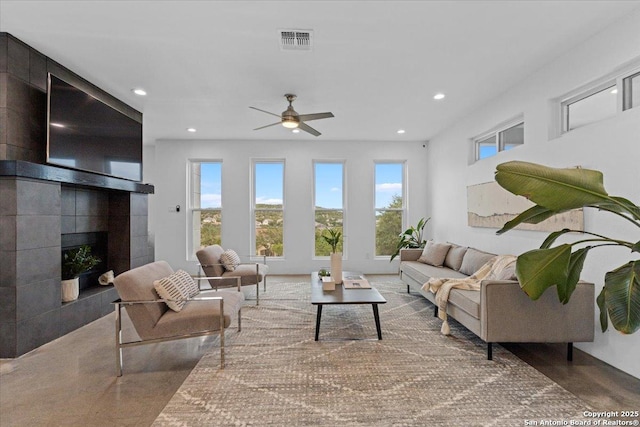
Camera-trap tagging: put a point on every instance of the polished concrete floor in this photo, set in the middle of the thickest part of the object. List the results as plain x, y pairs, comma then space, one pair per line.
71, 381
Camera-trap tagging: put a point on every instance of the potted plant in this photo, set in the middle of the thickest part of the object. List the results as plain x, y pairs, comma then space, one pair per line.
411, 238
332, 237
74, 263
560, 190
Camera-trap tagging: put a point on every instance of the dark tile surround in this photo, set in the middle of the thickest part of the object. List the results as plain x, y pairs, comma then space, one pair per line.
39, 203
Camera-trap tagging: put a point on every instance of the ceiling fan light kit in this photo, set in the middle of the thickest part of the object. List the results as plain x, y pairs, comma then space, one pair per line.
290, 119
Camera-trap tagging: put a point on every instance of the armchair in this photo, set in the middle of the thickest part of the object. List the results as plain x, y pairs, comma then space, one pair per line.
249, 273
209, 312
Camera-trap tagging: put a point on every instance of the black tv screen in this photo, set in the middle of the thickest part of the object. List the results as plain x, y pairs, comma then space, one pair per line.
86, 134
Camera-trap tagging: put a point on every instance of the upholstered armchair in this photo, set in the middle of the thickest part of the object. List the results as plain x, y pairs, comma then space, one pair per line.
201, 313
220, 268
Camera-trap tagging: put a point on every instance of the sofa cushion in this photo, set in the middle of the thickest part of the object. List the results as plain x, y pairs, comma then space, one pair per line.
434, 253
469, 301
454, 257
247, 273
423, 272
474, 259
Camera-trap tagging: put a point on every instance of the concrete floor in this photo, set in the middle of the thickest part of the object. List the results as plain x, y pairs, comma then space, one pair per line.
71, 381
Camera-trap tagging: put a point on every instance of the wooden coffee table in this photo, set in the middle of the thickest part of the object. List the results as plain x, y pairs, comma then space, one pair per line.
341, 295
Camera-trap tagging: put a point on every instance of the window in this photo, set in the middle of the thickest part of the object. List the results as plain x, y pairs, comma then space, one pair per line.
328, 203
389, 206
590, 106
631, 88
205, 204
268, 208
504, 138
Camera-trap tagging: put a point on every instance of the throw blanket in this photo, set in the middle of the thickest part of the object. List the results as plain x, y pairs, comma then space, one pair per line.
442, 286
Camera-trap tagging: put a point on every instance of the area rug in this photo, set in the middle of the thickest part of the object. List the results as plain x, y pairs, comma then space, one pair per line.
277, 375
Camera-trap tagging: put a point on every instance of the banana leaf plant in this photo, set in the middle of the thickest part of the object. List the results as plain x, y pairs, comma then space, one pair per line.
560, 190
411, 238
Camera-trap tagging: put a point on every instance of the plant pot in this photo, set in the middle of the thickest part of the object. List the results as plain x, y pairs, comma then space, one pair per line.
70, 289
336, 267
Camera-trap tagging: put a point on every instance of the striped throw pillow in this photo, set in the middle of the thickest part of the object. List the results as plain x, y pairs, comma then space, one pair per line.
175, 288
230, 259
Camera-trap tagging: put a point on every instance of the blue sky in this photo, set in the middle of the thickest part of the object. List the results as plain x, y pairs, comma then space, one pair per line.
328, 184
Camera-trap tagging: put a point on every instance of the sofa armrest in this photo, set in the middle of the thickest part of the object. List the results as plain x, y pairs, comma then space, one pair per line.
507, 314
410, 254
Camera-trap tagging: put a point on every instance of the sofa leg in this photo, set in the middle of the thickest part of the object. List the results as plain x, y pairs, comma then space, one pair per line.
489, 351
570, 351
435, 311
408, 290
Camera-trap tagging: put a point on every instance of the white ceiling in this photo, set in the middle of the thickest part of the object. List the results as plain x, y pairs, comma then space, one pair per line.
376, 65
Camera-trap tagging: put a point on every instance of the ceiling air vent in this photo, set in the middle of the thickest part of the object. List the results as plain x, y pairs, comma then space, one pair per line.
296, 39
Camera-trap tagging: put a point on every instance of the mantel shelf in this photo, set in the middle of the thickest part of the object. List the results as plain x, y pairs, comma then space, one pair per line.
68, 176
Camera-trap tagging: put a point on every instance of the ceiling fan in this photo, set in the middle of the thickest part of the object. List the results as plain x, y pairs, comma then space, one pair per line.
291, 119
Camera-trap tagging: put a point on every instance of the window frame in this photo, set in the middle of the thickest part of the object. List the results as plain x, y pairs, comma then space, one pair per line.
584, 94
253, 255
402, 210
191, 200
343, 209
497, 134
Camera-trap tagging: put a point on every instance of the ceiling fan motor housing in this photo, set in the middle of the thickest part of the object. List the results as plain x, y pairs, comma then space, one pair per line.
290, 118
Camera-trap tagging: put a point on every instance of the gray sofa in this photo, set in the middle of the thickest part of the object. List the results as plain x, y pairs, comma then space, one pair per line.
501, 311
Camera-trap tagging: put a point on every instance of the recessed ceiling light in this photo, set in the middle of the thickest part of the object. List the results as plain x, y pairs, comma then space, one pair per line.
191, 130
139, 91
438, 96
614, 91
400, 131
58, 125
296, 131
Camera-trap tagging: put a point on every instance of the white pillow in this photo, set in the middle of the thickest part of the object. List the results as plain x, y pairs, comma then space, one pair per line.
230, 259
187, 284
169, 288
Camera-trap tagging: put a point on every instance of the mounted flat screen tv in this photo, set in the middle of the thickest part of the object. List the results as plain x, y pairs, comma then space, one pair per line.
86, 134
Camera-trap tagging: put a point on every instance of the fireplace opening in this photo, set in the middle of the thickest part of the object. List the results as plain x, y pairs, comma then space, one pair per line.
98, 242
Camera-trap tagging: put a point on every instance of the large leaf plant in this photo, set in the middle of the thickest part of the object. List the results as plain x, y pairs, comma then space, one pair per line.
411, 238
560, 190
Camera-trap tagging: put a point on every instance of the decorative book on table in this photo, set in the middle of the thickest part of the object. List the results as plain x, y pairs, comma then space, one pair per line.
356, 282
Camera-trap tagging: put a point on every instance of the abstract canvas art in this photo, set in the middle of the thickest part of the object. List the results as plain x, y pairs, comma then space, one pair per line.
491, 206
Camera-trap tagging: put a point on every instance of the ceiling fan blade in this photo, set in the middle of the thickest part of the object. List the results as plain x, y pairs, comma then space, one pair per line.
315, 116
273, 114
305, 127
272, 124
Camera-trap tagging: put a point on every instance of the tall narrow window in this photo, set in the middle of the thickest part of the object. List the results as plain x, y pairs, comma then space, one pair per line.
206, 204
268, 208
329, 203
389, 206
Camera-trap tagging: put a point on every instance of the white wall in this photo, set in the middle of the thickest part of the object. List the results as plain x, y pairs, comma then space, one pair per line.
170, 180
612, 146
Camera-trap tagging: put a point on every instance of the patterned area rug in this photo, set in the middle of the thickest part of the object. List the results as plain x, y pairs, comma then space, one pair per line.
276, 374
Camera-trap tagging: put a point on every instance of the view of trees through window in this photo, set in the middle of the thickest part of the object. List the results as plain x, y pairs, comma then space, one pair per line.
268, 208
206, 203
389, 206
329, 203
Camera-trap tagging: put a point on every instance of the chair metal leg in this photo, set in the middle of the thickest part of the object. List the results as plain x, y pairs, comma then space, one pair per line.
118, 341
570, 352
257, 285
489, 351
239, 319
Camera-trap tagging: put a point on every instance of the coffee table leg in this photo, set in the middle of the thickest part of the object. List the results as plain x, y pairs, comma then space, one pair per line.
318, 320
376, 316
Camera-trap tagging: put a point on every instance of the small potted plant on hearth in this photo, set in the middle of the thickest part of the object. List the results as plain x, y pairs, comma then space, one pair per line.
74, 263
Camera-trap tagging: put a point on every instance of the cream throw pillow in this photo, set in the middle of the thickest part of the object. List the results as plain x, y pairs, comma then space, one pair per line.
434, 253
230, 260
170, 289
